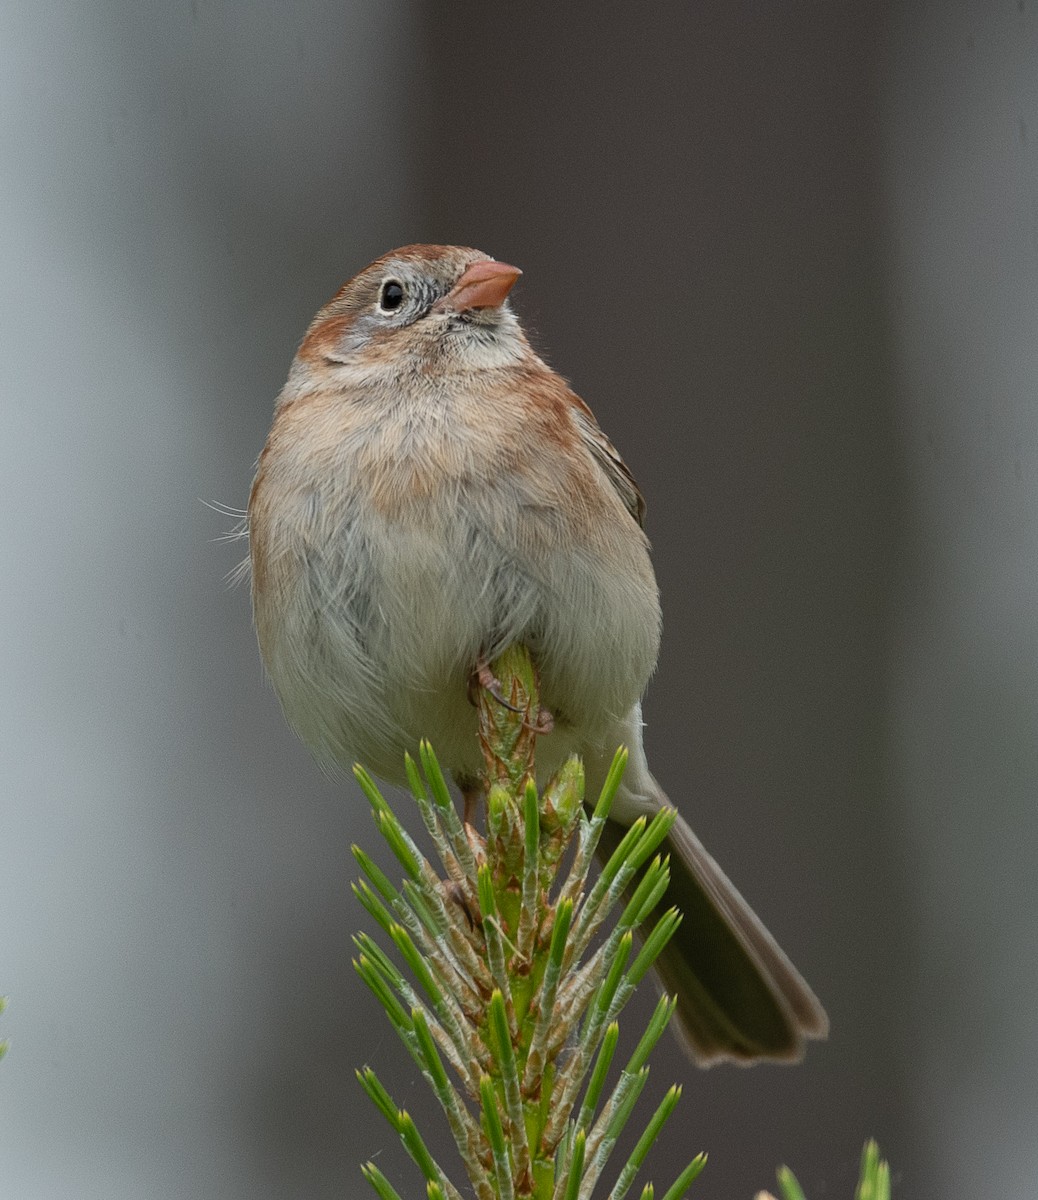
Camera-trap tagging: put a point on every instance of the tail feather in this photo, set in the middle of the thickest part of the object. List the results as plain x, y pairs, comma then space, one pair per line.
740, 999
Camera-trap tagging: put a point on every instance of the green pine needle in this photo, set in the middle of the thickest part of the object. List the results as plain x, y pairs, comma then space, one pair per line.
506, 978
496, 1137
644, 1144
598, 1075
788, 1186
612, 784
379, 1182
369, 1081
873, 1181
684, 1181
875, 1175
576, 1166
380, 880
653, 1032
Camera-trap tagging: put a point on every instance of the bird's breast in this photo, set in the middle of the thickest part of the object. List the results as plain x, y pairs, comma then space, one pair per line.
394, 545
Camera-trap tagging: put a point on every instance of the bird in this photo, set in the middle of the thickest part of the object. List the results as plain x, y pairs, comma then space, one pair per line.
432, 492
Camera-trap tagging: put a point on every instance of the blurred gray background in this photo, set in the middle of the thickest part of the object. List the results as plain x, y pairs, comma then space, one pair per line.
789, 253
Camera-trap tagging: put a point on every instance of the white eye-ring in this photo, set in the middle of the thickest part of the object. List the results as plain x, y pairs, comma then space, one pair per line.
391, 295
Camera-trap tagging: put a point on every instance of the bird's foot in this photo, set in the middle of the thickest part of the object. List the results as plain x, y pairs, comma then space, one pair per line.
483, 677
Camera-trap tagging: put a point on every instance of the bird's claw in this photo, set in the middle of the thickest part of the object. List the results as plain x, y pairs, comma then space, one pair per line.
483, 677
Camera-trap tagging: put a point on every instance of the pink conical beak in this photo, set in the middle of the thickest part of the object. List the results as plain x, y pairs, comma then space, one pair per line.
485, 284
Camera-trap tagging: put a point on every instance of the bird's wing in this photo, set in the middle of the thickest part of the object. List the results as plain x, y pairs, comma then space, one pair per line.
608, 458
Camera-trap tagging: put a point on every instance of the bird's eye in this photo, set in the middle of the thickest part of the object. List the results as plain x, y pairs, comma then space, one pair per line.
391, 296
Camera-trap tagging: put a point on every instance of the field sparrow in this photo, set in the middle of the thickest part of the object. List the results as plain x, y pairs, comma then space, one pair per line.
430, 492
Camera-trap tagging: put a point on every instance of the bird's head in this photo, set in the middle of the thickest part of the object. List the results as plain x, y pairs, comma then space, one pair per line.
418, 309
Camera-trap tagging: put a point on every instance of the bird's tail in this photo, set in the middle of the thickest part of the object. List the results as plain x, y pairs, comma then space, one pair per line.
740, 999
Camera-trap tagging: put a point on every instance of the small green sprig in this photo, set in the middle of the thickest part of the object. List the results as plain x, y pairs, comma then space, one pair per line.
512, 977
873, 1179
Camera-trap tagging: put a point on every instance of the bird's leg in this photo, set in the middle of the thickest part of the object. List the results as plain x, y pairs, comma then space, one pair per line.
483, 677
545, 722
472, 796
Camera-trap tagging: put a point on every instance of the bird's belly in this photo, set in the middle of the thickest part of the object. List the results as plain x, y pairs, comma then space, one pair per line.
376, 621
